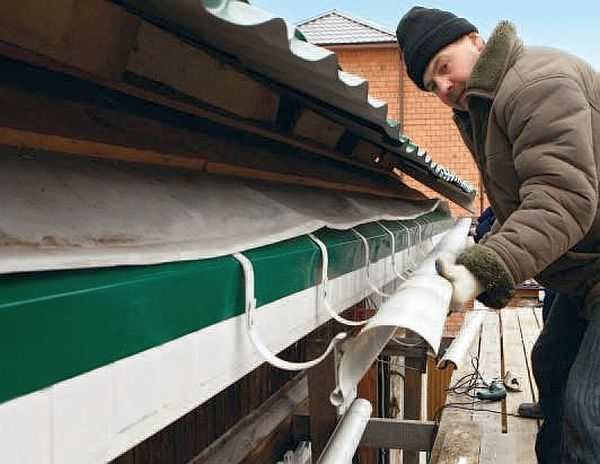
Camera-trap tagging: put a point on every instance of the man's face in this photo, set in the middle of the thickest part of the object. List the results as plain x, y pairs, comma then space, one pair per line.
449, 70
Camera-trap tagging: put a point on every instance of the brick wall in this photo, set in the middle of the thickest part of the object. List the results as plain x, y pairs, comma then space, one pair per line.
380, 67
425, 119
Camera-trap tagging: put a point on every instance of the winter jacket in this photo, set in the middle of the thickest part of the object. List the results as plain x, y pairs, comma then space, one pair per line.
533, 127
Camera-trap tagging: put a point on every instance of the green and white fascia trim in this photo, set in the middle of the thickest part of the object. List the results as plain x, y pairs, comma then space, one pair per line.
157, 341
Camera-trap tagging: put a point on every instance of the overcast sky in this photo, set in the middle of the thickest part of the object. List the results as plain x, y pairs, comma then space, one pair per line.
570, 25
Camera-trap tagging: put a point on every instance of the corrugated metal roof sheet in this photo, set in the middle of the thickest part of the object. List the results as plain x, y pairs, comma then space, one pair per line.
275, 48
335, 27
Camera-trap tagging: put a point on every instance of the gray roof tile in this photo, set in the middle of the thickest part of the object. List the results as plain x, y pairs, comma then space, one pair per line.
335, 27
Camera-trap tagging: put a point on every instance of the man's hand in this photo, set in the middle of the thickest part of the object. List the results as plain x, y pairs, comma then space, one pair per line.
464, 284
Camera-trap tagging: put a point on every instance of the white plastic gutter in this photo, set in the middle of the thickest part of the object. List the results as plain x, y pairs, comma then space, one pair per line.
455, 354
347, 435
420, 304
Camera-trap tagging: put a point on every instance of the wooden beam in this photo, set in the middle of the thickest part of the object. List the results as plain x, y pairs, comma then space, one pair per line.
95, 37
87, 148
460, 443
369, 153
92, 35
301, 425
162, 57
34, 51
412, 400
48, 111
323, 416
413, 347
242, 439
185, 105
313, 126
399, 434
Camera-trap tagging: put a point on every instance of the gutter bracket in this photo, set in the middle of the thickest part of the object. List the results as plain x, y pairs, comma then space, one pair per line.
394, 268
325, 281
371, 285
250, 307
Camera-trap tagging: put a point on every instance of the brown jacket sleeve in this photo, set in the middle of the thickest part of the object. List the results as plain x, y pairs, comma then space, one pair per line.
549, 124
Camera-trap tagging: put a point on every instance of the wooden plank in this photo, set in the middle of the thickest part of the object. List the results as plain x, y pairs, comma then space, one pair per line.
413, 380
529, 333
301, 424
46, 111
512, 336
242, 440
515, 361
89, 149
92, 35
388, 186
118, 31
313, 126
396, 397
409, 347
323, 416
399, 434
438, 381
508, 448
413, 386
367, 388
490, 369
187, 439
262, 174
391, 181
369, 153
458, 436
523, 430
162, 57
462, 444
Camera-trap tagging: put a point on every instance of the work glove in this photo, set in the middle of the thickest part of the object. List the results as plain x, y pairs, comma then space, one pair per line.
465, 285
477, 272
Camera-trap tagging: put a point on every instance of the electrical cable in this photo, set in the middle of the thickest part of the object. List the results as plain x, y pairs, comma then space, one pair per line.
468, 385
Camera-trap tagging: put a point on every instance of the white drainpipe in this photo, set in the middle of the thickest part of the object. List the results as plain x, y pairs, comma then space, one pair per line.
345, 438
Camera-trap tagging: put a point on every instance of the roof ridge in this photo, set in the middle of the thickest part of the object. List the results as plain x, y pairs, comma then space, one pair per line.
349, 17
311, 19
364, 22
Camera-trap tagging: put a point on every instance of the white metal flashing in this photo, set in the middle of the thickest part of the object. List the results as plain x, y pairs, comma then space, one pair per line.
97, 416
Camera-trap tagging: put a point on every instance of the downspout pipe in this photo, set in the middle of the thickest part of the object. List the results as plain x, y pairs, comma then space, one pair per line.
347, 435
420, 304
456, 352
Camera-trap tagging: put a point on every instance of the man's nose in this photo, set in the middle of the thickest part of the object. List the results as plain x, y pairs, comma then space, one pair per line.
445, 86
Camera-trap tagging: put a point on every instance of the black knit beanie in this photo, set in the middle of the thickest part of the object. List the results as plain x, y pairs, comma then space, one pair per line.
423, 32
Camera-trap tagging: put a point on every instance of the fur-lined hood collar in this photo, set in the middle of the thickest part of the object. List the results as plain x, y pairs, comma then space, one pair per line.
498, 55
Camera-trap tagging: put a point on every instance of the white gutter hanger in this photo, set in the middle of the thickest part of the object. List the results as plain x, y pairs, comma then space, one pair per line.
325, 283
250, 307
420, 304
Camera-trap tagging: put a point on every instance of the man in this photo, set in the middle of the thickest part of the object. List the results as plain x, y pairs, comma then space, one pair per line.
531, 119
